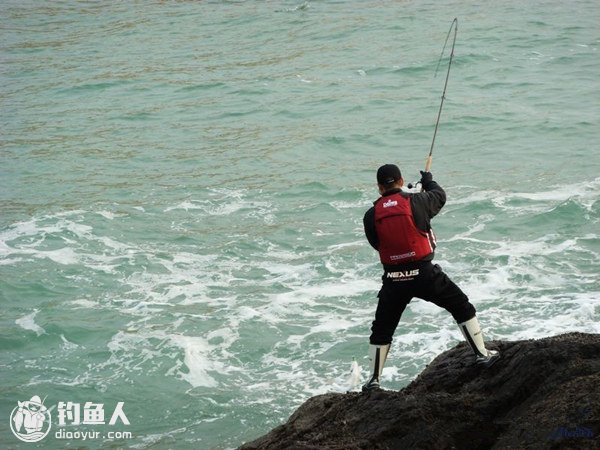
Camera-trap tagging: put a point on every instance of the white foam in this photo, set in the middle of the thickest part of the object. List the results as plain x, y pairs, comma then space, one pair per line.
107, 214
8, 262
585, 194
39, 229
351, 204
302, 79
245, 313
19, 229
188, 280
84, 303
302, 300
230, 203
474, 197
546, 316
28, 239
472, 229
333, 325
350, 382
202, 356
28, 323
81, 230
64, 256
346, 245
197, 359
185, 205
111, 243
67, 345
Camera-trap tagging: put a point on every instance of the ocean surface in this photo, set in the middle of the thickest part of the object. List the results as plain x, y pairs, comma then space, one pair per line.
182, 186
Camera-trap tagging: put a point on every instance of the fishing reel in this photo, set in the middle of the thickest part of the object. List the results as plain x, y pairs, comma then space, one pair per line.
413, 188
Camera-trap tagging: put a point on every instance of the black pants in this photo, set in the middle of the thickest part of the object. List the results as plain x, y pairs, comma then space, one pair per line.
423, 280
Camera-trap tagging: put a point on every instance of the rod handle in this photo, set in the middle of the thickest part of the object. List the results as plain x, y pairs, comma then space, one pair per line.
428, 163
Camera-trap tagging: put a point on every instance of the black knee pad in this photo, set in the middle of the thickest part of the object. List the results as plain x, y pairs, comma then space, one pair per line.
380, 335
463, 312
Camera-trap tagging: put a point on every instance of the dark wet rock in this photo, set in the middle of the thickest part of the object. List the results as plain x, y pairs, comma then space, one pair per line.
542, 394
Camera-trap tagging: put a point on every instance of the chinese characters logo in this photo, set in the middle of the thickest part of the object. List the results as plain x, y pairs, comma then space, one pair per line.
93, 414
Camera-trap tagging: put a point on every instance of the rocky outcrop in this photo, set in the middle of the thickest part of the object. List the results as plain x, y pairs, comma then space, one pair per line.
541, 394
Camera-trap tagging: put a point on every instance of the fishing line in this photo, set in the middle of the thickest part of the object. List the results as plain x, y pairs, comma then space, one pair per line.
437, 122
429, 159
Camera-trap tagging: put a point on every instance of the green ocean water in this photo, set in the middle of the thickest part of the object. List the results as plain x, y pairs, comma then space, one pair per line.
182, 186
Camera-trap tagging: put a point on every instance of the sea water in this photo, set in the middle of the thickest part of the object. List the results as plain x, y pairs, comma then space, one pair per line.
182, 186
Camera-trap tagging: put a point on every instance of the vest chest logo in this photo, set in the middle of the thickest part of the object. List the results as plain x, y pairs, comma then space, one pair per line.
390, 203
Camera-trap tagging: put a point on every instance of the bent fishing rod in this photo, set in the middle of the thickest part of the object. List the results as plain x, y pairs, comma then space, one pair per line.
454, 24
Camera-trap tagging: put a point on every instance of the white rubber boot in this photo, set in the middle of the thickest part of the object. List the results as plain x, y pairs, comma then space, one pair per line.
377, 355
474, 337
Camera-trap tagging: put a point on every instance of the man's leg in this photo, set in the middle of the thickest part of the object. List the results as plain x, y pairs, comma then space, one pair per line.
391, 305
377, 356
442, 291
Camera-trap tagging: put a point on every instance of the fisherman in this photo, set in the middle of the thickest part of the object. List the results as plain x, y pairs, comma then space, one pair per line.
398, 227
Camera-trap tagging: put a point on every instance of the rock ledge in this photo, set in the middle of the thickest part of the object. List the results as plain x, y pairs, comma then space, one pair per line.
541, 394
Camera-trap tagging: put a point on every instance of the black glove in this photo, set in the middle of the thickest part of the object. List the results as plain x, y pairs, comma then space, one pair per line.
426, 178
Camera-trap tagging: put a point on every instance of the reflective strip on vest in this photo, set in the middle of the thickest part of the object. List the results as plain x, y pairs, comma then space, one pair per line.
400, 241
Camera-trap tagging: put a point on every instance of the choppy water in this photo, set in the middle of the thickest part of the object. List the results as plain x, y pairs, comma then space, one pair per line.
182, 187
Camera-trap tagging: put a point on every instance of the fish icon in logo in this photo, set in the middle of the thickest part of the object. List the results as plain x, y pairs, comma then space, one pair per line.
30, 420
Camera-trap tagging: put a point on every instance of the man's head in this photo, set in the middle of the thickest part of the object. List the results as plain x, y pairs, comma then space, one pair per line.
389, 177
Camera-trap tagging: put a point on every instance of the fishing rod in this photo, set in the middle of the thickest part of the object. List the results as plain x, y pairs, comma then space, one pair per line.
454, 25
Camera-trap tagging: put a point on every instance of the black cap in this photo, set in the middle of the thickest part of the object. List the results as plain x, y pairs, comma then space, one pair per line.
388, 174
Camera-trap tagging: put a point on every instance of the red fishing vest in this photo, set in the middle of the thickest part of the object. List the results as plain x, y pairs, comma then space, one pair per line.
400, 241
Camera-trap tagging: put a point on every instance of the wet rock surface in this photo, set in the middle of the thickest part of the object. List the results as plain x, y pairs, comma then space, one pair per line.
542, 393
